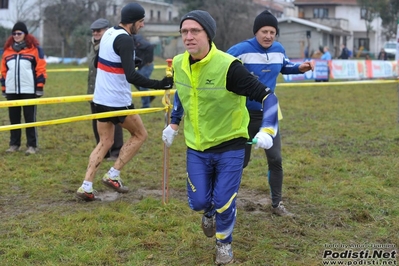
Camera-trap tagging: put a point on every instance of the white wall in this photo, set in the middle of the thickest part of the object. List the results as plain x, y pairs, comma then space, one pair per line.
155, 7
18, 10
23, 10
356, 24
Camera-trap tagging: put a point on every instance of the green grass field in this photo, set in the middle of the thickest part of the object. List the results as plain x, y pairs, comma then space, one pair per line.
340, 146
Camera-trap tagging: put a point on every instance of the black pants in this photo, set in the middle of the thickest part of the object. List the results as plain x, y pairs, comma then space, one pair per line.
29, 113
273, 155
118, 136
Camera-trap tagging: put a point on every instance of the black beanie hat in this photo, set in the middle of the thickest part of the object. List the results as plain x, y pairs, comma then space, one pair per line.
265, 19
204, 19
20, 26
131, 13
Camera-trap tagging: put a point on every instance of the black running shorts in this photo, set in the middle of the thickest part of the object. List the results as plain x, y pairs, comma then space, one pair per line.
98, 108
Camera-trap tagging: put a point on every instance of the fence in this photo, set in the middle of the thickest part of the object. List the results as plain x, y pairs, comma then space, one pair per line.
347, 70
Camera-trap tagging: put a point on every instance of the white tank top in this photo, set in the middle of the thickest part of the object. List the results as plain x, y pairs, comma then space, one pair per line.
112, 88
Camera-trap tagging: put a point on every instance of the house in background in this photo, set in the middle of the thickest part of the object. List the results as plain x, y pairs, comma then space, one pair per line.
279, 8
303, 38
344, 16
162, 23
27, 11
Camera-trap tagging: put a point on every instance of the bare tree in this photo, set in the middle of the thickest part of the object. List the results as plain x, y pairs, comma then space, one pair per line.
191, 5
234, 19
62, 19
389, 13
68, 21
388, 10
4, 34
31, 13
369, 15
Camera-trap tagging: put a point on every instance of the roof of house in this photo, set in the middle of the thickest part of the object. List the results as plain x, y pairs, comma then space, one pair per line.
270, 4
317, 26
326, 2
306, 23
273, 3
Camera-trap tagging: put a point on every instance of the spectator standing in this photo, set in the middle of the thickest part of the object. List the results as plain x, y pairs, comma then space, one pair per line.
23, 71
257, 54
145, 51
382, 55
115, 74
326, 56
210, 86
98, 28
344, 52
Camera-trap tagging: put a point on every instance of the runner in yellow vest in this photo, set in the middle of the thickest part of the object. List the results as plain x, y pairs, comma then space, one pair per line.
211, 91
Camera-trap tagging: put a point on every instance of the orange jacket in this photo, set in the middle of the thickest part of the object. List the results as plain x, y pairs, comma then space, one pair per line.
23, 71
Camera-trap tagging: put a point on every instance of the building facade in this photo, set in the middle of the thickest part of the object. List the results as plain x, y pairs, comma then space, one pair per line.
344, 16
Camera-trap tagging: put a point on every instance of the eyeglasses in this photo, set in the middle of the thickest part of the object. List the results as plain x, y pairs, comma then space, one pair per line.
194, 31
17, 33
99, 30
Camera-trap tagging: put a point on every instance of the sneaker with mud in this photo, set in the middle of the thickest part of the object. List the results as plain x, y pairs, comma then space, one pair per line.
280, 210
30, 150
208, 225
114, 183
84, 195
224, 253
13, 148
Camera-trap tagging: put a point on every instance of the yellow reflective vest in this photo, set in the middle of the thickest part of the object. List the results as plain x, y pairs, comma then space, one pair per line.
212, 114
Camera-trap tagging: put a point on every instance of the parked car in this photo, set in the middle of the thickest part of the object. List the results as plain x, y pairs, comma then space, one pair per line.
390, 49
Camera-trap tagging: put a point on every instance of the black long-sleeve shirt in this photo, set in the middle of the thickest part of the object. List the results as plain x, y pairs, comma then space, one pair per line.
242, 82
124, 47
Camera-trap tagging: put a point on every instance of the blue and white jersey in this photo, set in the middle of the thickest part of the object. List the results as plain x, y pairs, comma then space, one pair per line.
264, 63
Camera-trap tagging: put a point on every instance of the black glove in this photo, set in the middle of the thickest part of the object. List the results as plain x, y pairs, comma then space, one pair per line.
4, 94
39, 92
138, 61
166, 83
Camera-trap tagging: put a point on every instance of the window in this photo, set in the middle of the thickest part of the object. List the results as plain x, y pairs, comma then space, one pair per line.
3, 4
363, 43
365, 13
320, 13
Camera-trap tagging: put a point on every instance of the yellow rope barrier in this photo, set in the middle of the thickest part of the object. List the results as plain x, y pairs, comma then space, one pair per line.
69, 99
79, 98
167, 104
82, 118
86, 69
